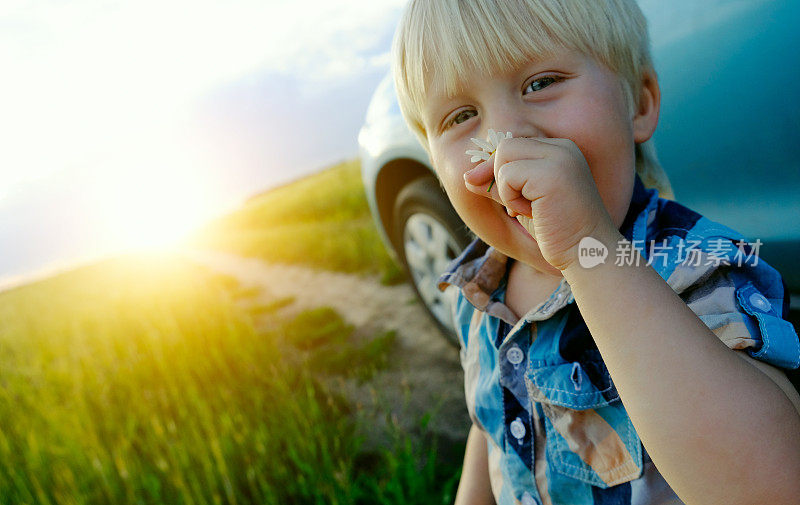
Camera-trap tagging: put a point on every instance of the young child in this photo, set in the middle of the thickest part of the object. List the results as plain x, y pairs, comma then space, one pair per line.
616, 348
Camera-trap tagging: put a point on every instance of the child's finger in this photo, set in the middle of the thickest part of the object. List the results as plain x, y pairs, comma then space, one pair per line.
491, 190
512, 180
482, 174
486, 189
518, 206
480, 180
526, 148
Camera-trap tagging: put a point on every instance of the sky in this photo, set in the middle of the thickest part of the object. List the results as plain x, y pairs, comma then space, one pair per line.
127, 124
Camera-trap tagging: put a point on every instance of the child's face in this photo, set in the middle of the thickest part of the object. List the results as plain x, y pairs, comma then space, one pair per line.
566, 95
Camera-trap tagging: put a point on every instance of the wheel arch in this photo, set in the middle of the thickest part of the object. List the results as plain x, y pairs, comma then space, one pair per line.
392, 178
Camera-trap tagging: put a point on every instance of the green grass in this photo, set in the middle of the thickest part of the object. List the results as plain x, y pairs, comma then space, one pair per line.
333, 349
140, 380
256, 310
322, 221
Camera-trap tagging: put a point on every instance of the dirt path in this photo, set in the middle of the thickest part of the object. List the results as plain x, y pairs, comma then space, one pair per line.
425, 372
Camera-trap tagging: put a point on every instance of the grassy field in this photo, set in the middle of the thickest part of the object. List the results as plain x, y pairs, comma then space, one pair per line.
142, 380
322, 221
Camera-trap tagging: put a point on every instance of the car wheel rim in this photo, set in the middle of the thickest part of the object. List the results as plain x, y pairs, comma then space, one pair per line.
429, 248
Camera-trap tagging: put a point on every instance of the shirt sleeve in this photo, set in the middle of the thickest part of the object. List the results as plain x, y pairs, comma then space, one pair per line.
740, 297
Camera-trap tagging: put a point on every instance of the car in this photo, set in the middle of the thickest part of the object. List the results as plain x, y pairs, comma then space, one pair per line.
728, 138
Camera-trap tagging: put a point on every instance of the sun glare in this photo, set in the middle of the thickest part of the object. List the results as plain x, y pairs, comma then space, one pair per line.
118, 133
151, 203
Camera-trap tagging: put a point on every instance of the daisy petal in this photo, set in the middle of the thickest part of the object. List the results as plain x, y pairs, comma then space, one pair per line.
475, 158
492, 138
483, 144
479, 155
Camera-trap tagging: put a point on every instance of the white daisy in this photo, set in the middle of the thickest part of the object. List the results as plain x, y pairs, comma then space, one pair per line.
488, 146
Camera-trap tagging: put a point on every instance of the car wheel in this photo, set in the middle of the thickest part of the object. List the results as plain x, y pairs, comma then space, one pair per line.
429, 235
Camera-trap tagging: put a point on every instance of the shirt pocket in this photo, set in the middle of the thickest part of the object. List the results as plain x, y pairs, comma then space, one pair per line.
589, 436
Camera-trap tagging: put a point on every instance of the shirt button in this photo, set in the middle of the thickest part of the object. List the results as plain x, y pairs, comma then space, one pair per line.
517, 429
760, 302
527, 499
515, 355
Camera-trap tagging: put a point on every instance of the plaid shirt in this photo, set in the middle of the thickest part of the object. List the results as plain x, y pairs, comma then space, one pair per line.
556, 430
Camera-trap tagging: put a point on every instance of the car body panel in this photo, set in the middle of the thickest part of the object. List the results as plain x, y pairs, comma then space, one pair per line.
729, 131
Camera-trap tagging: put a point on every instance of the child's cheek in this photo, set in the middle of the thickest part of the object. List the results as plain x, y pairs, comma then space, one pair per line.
451, 171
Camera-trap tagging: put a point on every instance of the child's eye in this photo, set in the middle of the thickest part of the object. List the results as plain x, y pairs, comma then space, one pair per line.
461, 117
541, 83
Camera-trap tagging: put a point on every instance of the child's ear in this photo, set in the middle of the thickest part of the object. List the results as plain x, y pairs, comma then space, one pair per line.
645, 117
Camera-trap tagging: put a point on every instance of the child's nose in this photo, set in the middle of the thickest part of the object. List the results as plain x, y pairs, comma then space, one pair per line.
507, 115
518, 128
525, 130
516, 132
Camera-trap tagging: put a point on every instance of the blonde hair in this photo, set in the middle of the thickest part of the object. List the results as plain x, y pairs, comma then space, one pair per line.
454, 37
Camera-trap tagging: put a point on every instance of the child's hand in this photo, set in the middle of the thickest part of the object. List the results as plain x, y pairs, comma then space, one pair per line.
547, 185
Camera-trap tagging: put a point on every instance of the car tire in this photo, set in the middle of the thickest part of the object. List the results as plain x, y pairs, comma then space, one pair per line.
429, 234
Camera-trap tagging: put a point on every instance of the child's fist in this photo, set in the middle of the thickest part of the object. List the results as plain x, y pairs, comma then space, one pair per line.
547, 185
